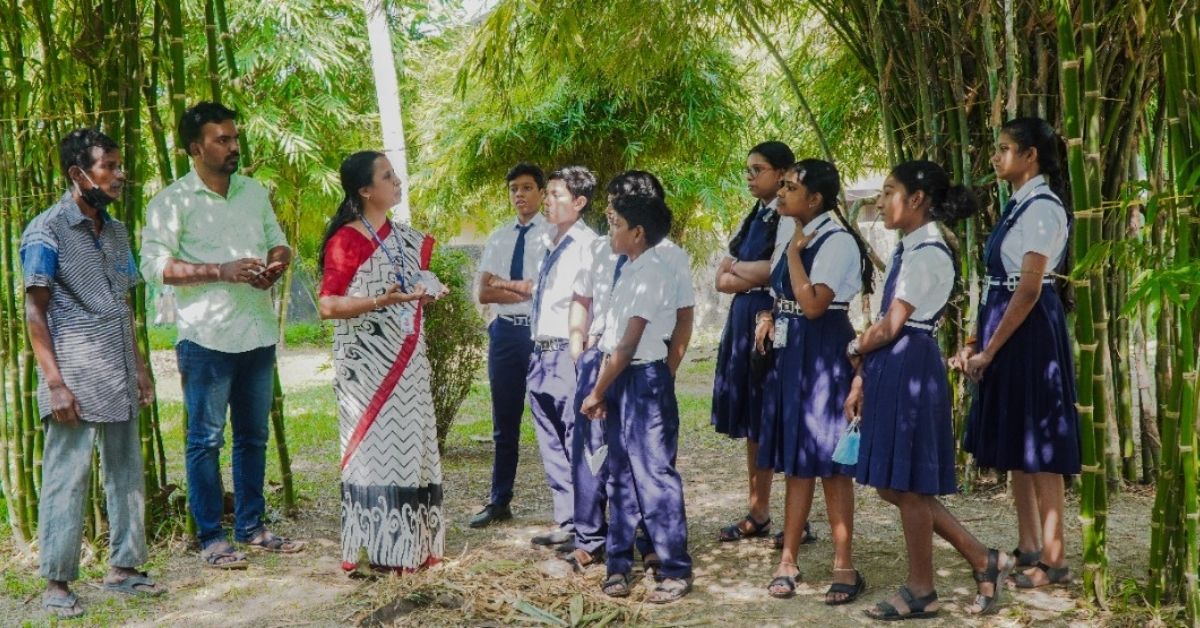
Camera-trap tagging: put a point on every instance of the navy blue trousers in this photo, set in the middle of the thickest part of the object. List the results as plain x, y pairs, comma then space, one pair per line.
591, 492
551, 385
509, 348
643, 438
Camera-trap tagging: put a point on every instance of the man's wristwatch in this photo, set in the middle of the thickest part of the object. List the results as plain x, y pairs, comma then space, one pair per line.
852, 349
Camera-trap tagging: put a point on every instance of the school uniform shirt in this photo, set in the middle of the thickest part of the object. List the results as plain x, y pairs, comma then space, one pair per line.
926, 275
498, 253
557, 283
838, 264
595, 282
680, 268
1041, 229
643, 291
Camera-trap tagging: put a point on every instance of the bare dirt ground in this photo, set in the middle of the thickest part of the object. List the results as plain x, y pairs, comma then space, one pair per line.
495, 577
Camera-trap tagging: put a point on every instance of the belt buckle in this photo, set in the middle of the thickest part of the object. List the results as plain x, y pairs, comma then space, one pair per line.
1011, 282
521, 319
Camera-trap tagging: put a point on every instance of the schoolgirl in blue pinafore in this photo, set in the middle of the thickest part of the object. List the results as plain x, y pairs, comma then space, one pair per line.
907, 442
737, 399
805, 390
1023, 417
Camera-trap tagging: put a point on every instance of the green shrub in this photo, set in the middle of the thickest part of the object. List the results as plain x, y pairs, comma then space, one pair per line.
309, 334
455, 338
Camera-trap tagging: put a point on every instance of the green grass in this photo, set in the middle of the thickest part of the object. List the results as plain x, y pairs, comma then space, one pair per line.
314, 334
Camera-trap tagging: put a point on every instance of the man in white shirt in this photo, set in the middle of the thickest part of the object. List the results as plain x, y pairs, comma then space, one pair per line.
506, 274
567, 243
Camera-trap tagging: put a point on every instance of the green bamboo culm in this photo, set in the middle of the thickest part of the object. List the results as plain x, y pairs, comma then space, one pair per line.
1173, 538
1092, 477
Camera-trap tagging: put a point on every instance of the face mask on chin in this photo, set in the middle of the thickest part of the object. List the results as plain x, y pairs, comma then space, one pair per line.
94, 196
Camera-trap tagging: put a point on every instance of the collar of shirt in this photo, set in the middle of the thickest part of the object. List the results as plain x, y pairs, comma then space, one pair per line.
925, 233
1028, 189
578, 232
197, 185
537, 221
632, 267
769, 208
75, 216
817, 224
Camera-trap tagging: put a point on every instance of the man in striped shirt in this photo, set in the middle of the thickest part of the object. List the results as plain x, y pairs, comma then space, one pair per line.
78, 270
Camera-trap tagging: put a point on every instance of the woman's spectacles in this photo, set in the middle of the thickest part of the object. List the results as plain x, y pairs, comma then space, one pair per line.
754, 172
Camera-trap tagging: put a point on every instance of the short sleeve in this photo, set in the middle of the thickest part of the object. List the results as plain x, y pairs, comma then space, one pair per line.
343, 255
837, 262
585, 284
925, 281
1043, 229
680, 266
39, 255
488, 261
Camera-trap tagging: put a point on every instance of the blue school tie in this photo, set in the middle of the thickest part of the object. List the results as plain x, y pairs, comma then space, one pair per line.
617, 271
992, 241
547, 264
516, 269
889, 284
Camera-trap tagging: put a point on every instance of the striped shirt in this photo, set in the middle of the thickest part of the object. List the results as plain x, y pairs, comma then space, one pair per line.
89, 278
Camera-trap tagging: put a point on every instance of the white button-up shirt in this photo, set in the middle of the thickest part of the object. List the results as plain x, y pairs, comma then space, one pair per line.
596, 282
926, 276
644, 291
838, 264
556, 283
1041, 229
498, 253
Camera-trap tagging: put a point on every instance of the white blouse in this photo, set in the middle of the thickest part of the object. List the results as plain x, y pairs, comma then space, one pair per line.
1041, 229
926, 275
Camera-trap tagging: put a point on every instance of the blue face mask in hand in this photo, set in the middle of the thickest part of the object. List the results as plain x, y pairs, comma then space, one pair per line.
847, 448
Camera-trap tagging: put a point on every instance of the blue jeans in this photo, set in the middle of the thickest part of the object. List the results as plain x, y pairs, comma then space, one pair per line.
243, 383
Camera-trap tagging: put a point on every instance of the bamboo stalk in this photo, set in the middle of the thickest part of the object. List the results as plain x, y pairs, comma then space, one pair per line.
210, 38
285, 460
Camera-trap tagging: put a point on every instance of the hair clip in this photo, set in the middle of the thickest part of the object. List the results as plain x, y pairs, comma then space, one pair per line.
920, 175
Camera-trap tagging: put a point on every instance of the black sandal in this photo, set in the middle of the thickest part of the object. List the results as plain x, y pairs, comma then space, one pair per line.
1026, 559
736, 533
808, 537
670, 590
616, 585
884, 611
995, 574
1055, 575
787, 583
852, 591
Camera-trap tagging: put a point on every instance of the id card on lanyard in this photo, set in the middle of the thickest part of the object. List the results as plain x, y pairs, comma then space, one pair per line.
781, 332
400, 271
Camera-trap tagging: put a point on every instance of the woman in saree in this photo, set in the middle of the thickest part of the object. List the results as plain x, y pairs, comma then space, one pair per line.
375, 283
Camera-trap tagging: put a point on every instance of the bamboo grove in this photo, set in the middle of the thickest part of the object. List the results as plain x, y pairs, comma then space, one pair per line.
117, 66
1120, 79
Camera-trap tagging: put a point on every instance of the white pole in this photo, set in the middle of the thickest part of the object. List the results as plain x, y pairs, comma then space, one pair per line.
387, 91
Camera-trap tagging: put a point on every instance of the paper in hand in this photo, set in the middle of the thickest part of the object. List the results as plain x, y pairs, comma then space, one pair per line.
433, 285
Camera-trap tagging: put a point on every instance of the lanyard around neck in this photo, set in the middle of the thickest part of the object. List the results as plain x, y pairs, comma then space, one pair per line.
397, 259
